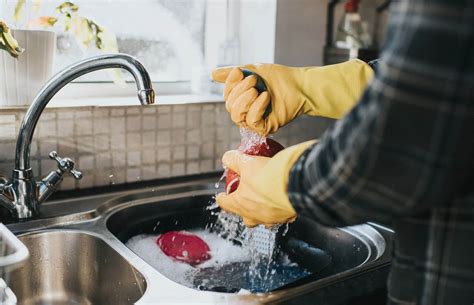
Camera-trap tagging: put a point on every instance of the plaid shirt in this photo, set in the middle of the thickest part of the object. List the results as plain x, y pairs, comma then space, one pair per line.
405, 154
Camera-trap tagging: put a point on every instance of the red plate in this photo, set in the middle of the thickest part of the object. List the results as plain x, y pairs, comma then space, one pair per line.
269, 148
183, 246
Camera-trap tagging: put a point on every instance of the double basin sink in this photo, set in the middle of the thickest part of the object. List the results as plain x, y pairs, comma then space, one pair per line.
78, 253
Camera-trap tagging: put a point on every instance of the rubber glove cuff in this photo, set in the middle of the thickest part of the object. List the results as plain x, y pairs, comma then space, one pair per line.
274, 184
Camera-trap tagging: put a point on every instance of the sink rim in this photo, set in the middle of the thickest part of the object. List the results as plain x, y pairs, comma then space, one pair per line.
97, 241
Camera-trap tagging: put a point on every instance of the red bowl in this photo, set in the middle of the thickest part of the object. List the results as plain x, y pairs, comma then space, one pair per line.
268, 148
183, 246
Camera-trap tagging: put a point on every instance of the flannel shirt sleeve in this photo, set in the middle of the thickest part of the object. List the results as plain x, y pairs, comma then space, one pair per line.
408, 145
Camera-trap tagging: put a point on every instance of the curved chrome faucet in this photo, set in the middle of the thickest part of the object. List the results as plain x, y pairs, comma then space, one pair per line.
23, 195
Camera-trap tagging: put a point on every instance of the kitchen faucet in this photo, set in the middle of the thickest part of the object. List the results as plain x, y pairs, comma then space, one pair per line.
22, 196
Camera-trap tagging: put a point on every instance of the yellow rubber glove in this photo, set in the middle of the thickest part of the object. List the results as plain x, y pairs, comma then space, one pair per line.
328, 91
262, 195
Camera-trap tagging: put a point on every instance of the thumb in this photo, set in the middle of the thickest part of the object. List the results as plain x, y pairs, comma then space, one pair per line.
228, 203
220, 74
249, 222
232, 159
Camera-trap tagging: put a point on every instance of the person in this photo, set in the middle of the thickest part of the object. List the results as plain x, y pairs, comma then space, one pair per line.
404, 153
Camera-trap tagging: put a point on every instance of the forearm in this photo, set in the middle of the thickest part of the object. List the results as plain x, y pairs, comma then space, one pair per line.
333, 90
407, 146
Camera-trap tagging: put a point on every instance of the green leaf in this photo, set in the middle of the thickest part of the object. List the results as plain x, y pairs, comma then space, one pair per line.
37, 5
8, 42
20, 4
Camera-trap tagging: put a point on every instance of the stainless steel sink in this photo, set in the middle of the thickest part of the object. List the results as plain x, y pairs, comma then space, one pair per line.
348, 248
71, 267
79, 256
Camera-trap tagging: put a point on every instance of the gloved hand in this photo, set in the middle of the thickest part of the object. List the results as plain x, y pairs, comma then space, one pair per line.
328, 91
262, 195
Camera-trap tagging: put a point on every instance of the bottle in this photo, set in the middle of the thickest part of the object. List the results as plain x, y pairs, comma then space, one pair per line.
352, 32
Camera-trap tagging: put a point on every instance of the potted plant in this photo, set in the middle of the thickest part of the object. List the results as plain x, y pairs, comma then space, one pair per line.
28, 60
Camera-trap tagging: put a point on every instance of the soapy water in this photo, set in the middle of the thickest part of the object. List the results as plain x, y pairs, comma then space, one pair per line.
222, 252
249, 139
231, 268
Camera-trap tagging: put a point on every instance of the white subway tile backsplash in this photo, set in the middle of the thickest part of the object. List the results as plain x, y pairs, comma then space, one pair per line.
7, 131
65, 128
119, 112
148, 156
83, 126
208, 133
163, 138
86, 163
193, 120
164, 121
101, 125
149, 110
192, 152
46, 129
103, 160
192, 168
81, 114
178, 169
100, 112
149, 138
164, 109
163, 154
114, 145
63, 114
179, 153
207, 150
178, 136
86, 181
68, 183
193, 136
163, 170
117, 124
117, 141
133, 158
46, 166
117, 176
133, 110
133, 174
7, 118
148, 172
149, 122
47, 146
48, 116
133, 123
101, 143
134, 140
118, 160
207, 165
85, 144
179, 120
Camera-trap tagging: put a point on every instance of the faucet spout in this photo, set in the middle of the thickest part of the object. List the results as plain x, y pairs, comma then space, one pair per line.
145, 94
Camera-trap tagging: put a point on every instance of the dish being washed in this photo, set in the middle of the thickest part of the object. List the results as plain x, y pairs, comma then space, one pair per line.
228, 268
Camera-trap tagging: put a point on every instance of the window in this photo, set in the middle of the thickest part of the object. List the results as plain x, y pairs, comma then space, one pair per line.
178, 41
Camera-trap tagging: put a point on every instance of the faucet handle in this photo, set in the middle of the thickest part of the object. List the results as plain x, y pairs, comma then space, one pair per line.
65, 165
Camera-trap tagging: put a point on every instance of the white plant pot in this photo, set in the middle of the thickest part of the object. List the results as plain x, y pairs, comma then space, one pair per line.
22, 77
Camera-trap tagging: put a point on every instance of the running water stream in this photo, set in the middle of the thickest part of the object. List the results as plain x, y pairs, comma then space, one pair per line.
259, 242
